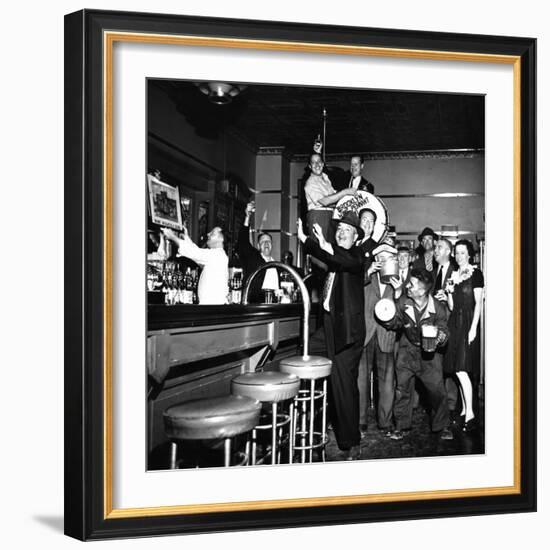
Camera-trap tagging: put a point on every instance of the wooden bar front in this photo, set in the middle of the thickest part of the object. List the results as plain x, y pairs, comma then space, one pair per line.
195, 351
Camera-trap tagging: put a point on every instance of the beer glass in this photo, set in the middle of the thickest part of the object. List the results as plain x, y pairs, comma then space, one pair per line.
429, 338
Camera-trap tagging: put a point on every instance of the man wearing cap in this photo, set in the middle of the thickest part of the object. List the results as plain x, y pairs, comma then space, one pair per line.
426, 250
344, 323
379, 343
414, 310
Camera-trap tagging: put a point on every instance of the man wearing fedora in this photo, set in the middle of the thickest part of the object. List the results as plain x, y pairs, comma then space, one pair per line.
344, 323
426, 258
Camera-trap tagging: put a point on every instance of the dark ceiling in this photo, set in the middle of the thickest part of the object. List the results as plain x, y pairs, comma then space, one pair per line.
357, 120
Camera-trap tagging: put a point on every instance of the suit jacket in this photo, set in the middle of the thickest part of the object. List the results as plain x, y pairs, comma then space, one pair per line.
364, 184
251, 259
341, 180
407, 278
346, 299
420, 263
366, 248
453, 266
386, 338
434, 314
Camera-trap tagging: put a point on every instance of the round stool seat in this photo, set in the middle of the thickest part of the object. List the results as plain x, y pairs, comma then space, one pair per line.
219, 417
268, 387
307, 368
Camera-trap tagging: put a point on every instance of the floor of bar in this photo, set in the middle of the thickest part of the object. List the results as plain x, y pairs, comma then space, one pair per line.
419, 442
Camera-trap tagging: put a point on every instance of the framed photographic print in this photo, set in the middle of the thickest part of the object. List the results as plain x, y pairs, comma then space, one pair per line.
404, 387
165, 204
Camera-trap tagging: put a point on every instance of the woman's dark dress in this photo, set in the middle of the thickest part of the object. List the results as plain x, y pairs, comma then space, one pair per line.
460, 355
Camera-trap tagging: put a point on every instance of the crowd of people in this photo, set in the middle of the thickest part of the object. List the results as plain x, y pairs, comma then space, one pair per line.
421, 324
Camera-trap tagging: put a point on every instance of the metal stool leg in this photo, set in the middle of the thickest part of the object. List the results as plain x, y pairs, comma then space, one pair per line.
311, 417
247, 450
173, 454
253, 447
303, 438
291, 432
227, 451
274, 433
324, 419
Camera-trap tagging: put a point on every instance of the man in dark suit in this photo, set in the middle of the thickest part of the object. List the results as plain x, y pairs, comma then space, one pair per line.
355, 177
446, 264
252, 258
344, 324
404, 260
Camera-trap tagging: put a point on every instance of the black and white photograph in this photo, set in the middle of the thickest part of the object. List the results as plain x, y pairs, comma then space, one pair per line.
315, 274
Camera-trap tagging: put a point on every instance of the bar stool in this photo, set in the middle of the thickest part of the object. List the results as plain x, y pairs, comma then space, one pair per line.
214, 418
306, 367
309, 369
270, 387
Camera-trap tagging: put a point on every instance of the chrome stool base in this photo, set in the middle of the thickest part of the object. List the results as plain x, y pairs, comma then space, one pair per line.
309, 370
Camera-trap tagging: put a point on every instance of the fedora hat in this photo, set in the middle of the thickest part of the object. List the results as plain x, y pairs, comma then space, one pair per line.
427, 231
350, 218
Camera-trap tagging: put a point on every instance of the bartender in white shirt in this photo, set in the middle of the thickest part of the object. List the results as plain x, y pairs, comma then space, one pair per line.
212, 287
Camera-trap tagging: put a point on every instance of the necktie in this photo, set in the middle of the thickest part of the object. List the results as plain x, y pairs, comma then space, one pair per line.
439, 280
429, 264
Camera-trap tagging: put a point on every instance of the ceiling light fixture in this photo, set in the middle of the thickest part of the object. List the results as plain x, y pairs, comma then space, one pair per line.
220, 93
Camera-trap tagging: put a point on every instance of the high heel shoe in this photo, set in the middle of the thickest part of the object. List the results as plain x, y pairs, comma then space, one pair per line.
470, 426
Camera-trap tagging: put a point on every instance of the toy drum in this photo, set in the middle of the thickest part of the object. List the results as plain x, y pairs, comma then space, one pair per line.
384, 309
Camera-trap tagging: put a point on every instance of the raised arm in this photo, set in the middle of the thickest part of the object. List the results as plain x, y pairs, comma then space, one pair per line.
244, 246
187, 248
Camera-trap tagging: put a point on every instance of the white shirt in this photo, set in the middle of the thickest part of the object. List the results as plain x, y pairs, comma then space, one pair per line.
212, 288
316, 188
354, 183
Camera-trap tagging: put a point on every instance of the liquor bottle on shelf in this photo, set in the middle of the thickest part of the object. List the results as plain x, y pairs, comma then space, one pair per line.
236, 286
165, 285
187, 293
195, 283
179, 288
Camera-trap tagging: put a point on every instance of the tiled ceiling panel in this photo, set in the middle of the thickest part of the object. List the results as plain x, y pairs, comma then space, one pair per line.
357, 120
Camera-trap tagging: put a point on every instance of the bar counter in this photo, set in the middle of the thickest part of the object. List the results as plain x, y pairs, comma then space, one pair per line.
195, 351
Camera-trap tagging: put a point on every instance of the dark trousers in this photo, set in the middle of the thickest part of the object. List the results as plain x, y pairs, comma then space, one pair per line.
324, 219
385, 376
343, 391
452, 392
413, 363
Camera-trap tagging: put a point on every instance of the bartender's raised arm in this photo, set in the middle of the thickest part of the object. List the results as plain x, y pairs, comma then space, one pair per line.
186, 247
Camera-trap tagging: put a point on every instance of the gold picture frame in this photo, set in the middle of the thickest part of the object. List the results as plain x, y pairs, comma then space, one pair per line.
90, 513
